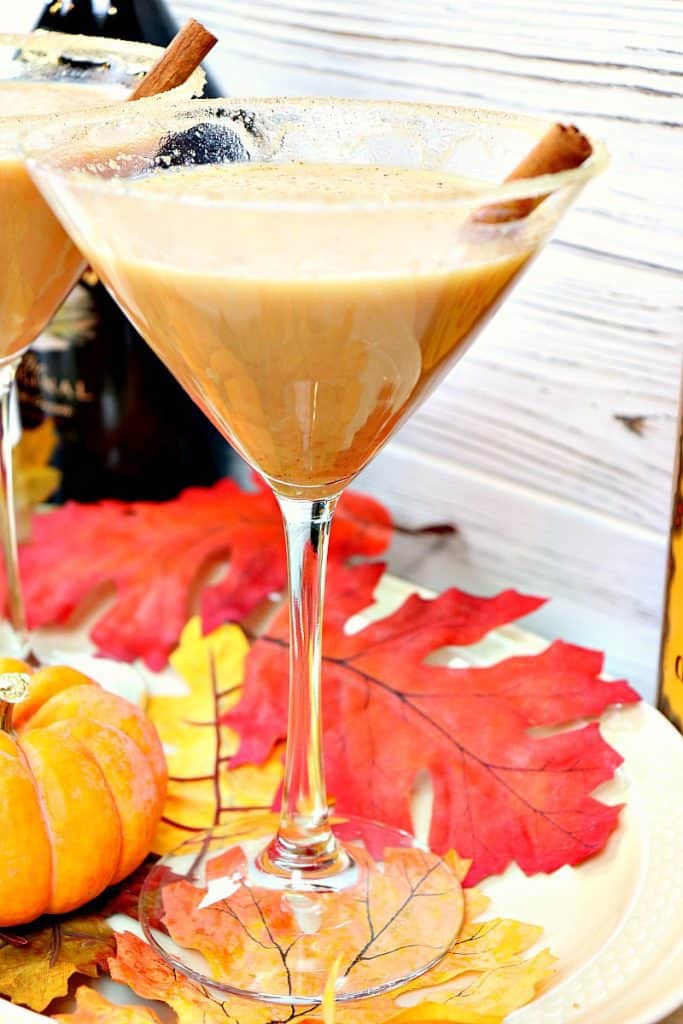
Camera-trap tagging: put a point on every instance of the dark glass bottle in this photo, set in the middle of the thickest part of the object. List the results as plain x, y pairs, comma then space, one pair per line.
126, 428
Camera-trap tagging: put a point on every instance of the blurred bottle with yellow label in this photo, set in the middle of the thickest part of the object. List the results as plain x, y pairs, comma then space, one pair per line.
671, 658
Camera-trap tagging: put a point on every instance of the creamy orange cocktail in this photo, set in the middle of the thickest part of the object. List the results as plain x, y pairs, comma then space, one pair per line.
39, 260
306, 376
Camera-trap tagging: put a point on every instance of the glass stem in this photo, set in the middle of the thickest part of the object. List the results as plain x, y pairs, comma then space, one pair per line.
305, 843
8, 526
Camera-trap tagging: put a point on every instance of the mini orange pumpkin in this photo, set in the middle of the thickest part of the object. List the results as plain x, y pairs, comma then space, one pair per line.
82, 788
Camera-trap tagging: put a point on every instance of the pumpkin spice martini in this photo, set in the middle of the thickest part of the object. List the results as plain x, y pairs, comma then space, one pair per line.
44, 75
43, 261
309, 270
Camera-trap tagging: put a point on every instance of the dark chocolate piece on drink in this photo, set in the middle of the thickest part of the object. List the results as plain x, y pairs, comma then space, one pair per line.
79, 63
203, 143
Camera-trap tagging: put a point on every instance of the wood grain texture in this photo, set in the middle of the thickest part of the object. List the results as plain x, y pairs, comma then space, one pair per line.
552, 443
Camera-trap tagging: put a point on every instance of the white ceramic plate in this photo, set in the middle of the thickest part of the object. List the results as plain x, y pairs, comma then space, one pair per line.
616, 922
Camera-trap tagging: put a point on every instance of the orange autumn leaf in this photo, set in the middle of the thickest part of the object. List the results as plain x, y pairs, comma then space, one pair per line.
93, 1008
138, 966
155, 553
502, 793
201, 784
497, 981
482, 979
248, 930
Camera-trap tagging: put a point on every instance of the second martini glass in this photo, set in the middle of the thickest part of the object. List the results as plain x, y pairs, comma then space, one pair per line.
309, 270
44, 74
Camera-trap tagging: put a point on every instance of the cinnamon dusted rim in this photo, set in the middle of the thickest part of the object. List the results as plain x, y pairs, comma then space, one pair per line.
42, 47
102, 136
31, 56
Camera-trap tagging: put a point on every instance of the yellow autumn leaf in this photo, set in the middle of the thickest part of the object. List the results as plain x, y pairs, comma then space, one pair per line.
36, 445
197, 747
39, 969
426, 1012
475, 904
481, 979
498, 991
483, 946
34, 478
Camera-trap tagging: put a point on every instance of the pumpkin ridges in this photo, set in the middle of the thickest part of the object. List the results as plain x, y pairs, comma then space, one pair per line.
45, 683
98, 705
24, 840
73, 793
46, 822
139, 809
87, 752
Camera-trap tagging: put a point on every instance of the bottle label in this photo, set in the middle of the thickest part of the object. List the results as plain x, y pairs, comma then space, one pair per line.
671, 671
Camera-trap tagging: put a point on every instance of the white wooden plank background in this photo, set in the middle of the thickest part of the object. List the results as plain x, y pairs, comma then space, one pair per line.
530, 445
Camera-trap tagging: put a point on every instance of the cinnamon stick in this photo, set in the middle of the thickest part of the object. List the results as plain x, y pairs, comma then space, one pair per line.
561, 148
183, 54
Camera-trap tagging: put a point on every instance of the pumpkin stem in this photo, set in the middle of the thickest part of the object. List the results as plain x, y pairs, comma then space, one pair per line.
13, 689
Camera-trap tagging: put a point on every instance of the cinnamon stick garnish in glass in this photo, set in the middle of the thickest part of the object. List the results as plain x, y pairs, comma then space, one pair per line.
561, 148
183, 54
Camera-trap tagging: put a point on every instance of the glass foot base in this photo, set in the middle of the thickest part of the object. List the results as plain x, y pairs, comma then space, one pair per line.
213, 912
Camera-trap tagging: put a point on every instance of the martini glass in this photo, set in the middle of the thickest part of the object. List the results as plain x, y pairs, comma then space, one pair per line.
43, 74
309, 270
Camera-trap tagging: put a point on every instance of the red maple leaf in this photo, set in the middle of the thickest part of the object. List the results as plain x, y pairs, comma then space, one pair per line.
153, 554
501, 794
